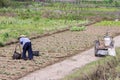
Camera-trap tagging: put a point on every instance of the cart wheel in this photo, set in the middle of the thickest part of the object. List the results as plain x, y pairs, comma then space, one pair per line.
97, 43
112, 44
95, 51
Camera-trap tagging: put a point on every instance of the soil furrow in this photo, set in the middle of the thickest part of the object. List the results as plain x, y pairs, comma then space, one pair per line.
50, 47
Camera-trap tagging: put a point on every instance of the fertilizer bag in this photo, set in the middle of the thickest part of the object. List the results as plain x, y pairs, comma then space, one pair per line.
111, 51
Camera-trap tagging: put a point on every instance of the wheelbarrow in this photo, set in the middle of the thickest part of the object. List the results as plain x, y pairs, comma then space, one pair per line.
104, 47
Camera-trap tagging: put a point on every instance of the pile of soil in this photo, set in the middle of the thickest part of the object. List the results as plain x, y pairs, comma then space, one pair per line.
52, 49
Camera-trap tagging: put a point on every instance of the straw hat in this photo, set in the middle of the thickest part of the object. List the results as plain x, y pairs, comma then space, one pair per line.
22, 35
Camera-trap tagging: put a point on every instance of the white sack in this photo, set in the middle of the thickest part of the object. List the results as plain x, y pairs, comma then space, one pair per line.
102, 52
111, 52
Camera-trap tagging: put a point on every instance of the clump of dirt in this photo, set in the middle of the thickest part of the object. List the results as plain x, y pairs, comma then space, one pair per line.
52, 49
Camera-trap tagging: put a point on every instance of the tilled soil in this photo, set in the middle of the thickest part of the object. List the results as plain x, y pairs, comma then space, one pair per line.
52, 49
59, 70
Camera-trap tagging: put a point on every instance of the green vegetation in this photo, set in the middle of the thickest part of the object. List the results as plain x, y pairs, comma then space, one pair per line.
4, 3
33, 18
77, 28
106, 68
108, 23
12, 27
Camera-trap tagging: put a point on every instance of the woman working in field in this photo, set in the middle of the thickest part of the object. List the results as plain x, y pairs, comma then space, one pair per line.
26, 46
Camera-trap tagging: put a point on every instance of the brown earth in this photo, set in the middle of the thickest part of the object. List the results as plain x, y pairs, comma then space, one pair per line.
66, 67
52, 48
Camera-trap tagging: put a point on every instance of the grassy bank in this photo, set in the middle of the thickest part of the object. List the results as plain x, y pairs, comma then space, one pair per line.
108, 23
104, 69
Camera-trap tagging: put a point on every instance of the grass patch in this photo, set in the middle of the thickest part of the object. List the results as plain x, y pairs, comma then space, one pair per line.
1, 44
104, 69
108, 23
76, 28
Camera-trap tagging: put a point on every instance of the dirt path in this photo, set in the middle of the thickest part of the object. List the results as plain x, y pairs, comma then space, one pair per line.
59, 70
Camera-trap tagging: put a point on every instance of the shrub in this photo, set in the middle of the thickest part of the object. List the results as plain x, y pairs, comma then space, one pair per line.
1, 44
116, 4
4, 3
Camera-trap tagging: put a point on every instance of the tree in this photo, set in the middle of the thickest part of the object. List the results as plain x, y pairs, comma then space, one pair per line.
108, 1
4, 3
116, 4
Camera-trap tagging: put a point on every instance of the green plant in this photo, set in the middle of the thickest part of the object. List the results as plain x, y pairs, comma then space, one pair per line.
108, 1
108, 23
22, 67
1, 44
116, 4
76, 28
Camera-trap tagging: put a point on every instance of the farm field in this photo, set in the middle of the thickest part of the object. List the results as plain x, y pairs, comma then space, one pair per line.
39, 18
84, 64
54, 49
11, 28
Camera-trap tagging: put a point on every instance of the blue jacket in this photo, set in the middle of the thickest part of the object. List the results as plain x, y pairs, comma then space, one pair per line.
24, 40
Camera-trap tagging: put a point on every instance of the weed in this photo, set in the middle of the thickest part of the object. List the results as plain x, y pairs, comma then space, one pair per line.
76, 28
108, 23
1, 44
23, 67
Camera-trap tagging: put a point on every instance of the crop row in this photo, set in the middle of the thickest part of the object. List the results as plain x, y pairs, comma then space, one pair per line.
12, 27
109, 23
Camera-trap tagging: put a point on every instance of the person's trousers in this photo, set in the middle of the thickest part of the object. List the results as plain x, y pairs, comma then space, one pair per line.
27, 47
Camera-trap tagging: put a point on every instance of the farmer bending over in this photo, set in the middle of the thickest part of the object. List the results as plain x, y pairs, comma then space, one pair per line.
26, 46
